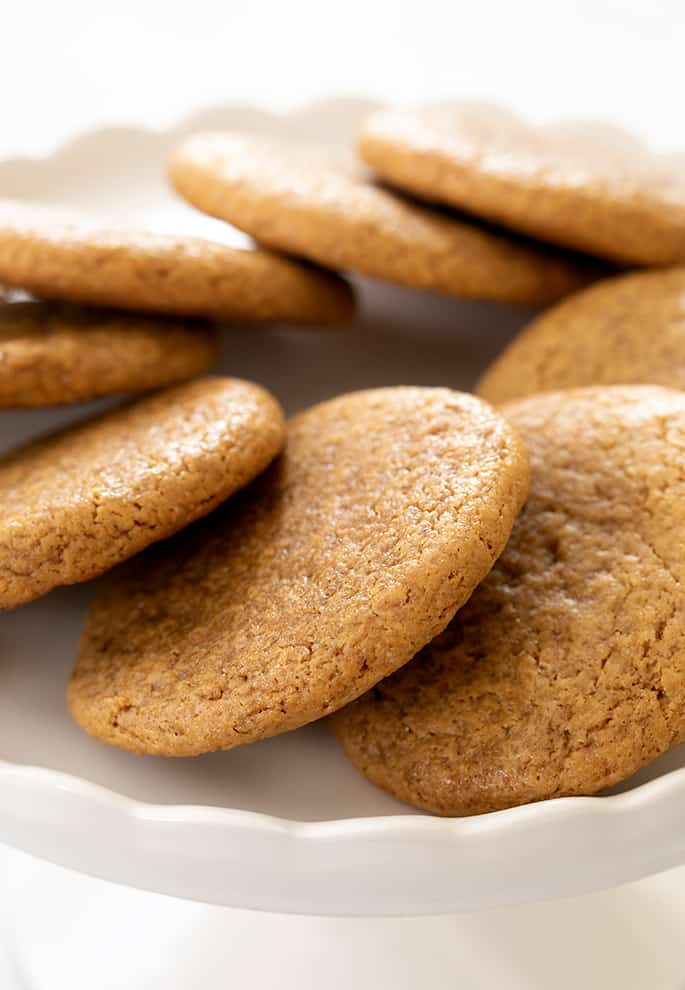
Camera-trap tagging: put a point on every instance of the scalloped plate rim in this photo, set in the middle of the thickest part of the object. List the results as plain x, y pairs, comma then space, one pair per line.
621, 803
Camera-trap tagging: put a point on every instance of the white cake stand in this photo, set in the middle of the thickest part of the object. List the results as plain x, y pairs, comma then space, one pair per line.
285, 825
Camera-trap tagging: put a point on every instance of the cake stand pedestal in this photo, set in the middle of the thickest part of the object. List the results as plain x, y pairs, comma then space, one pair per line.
65, 931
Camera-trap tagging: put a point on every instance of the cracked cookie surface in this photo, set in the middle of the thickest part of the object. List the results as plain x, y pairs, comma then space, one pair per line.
592, 188
66, 256
382, 515
292, 198
76, 503
565, 672
622, 331
52, 354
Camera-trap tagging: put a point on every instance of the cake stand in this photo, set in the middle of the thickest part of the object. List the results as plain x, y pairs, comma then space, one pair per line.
287, 824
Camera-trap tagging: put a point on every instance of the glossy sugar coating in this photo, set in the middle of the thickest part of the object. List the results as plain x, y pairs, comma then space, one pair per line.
625, 330
589, 188
74, 504
59, 255
293, 199
565, 673
52, 354
357, 546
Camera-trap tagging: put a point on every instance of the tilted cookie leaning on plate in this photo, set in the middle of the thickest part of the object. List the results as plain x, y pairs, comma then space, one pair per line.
77, 502
584, 186
565, 673
291, 198
52, 354
384, 512
75, 257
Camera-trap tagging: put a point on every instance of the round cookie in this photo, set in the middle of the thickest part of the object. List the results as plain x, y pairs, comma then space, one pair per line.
565, 673
51, 354
74, 504
58, 255
292, 199
625, 330
384, 512
578, 187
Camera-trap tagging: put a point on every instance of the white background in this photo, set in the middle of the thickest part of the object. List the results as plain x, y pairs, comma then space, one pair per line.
68, 66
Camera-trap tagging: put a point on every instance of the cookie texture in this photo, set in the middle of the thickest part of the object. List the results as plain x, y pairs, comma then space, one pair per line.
625, 330
64, 256
594, 189
74, 504
52, 354
355, 548
293, 199
565, 673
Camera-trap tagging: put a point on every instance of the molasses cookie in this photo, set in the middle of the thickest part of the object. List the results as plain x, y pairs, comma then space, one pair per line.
585, 188
52, 354
292, 199
565, 672
58, 255
625, 330
74, 504
384, 512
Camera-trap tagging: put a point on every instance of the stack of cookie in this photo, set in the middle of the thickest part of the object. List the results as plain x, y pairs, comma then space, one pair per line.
78, 502
485, 591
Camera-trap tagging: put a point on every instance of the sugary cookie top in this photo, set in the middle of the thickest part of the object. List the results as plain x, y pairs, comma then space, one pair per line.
76, 503
52, 354
625, 330
292, 198
73, 257
565, 672
384, 512
584, 186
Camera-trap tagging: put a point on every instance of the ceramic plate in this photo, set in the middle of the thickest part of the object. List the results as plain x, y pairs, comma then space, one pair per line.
286, 824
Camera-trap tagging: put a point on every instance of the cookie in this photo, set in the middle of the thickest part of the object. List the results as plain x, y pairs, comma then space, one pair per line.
356, 548
625, 330
578, 187
74, 504
65, 256
565, 673
52, 354
293, 199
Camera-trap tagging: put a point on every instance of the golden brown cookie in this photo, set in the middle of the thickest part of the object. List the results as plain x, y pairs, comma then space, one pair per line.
65, 256
52, 354
599, 192
357, 546
625, 330
292, 199
565, 673
74, 504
